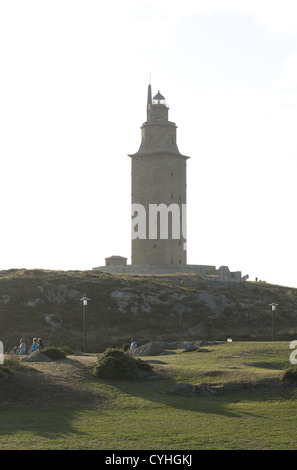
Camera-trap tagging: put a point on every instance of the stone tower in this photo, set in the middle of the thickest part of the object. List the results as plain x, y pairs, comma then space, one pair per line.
158, 191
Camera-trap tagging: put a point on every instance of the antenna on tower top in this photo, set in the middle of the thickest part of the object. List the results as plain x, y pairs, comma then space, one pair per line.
149, 95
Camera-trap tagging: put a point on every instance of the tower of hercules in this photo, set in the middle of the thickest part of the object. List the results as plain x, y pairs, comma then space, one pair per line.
158, 191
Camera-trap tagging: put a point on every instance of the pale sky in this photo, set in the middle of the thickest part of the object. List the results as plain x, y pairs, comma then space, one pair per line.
74, 77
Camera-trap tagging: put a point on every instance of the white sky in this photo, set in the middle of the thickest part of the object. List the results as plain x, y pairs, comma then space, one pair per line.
73, 89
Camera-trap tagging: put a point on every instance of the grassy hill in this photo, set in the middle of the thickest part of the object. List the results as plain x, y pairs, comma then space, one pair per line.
46, 304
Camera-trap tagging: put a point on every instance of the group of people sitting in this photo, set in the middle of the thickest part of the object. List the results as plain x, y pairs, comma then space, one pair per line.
37, 345
133, 344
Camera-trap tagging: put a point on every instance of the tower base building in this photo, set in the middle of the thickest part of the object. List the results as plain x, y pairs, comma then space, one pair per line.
206, 272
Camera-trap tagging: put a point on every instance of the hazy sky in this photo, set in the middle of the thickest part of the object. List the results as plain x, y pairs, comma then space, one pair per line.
74, 77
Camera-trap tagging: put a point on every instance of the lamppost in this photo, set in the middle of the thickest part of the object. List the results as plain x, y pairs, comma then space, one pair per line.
85, 303
273, 308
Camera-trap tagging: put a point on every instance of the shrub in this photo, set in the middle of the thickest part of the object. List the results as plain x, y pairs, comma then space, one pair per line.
290, 375
67, 350
11, 363
118, 365
54, 353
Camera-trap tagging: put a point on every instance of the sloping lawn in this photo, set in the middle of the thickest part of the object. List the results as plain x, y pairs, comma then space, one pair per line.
64, 406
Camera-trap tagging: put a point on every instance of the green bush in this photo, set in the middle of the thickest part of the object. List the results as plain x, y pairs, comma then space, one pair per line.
54, 353
11, 363
67, 350
290, 375
118, 365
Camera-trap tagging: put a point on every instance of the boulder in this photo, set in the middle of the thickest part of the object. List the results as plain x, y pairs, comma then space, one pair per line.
184, 389
157, 348
36, 356
149, 349
190, 390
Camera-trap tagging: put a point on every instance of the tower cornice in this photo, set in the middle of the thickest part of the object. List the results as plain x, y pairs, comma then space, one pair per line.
156, 153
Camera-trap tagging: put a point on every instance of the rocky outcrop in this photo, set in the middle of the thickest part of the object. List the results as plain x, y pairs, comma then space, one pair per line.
36, 356
47, 304
158, 348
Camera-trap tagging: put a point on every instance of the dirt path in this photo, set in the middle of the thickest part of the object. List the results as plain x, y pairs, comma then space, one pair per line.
64, 383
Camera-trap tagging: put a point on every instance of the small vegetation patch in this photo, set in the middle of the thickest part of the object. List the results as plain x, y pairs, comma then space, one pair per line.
289, 376
67, 350
54, 353
118, 365
10, 365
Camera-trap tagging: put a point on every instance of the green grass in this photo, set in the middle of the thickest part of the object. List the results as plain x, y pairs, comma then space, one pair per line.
224, 424
142, 415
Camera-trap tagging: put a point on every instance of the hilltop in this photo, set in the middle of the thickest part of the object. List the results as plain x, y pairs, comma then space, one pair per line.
46, 304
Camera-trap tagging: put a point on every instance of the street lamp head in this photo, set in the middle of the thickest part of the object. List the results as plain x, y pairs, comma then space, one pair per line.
85, 300
273, 306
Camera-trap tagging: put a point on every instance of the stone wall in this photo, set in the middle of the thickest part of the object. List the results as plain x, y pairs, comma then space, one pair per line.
207, 272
